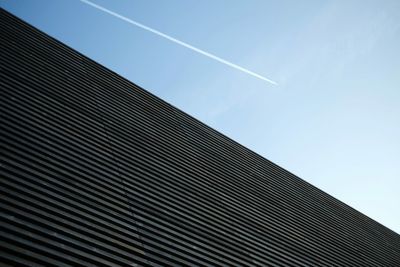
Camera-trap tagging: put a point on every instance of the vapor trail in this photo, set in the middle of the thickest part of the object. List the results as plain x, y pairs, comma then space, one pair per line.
230, 64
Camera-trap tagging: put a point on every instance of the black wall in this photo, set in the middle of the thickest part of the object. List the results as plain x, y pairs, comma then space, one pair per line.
96, 171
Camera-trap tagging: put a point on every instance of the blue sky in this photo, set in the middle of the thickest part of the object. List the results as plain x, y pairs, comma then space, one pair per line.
333, 119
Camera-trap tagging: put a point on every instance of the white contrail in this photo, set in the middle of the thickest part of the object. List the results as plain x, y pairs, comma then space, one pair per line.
230, 64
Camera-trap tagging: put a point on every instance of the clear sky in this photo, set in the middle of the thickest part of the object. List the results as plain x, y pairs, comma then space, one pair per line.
333, 119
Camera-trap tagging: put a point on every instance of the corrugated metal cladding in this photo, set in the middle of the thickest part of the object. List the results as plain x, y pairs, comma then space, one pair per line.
96, 171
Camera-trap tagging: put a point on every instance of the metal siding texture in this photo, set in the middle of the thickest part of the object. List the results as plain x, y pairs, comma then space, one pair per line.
95, 171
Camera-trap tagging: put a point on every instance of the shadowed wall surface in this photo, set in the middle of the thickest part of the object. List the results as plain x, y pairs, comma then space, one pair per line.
97, 171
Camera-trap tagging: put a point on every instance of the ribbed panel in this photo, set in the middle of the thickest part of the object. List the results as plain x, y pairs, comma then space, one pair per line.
97, 171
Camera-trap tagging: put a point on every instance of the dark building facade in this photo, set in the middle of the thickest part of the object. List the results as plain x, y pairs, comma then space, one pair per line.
95, 171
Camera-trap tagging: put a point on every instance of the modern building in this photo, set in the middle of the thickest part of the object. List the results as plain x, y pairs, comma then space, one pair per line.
96, 171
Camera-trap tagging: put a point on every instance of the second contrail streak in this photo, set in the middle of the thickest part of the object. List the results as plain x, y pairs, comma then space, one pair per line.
230, 64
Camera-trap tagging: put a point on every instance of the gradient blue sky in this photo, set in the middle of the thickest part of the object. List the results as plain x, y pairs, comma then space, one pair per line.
334, 118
